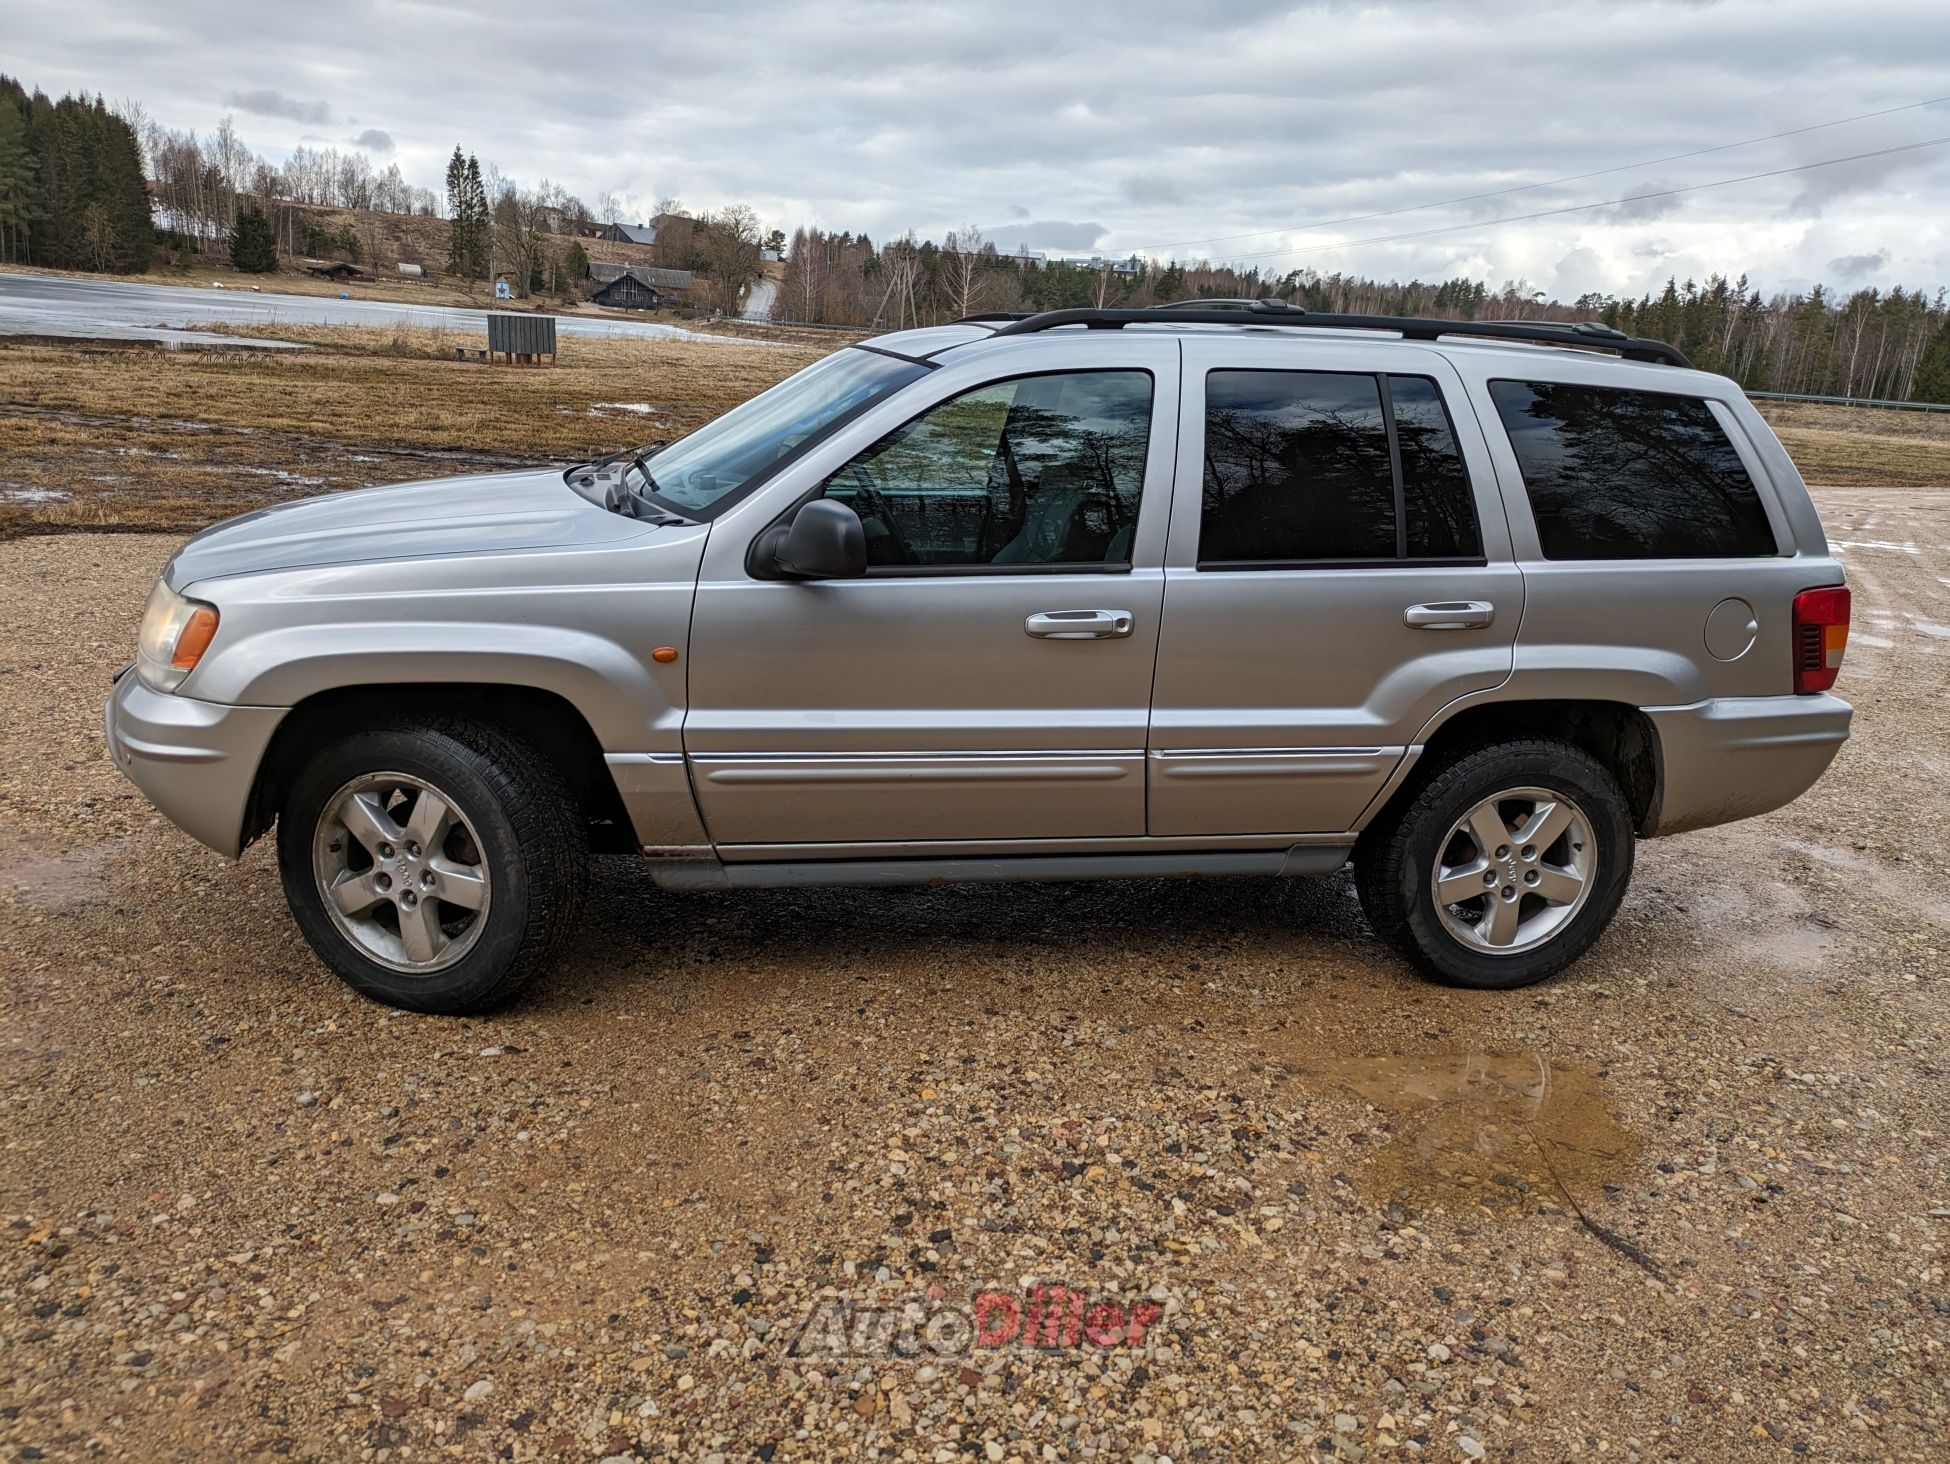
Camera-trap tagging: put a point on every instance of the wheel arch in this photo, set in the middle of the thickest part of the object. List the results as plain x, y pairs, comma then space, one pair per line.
1619, 735
545, 720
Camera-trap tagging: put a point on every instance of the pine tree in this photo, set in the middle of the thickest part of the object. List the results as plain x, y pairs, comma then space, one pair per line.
457, 213
477, 220
19, 176
1933, 371
253, 246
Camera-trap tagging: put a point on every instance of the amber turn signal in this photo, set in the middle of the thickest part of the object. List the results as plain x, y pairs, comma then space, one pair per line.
197, 634
663, 655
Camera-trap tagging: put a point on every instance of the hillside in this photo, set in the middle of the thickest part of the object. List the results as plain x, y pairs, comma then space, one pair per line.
387, 240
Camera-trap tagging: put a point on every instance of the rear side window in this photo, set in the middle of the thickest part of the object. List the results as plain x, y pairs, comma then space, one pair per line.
1323, 467
1617, 474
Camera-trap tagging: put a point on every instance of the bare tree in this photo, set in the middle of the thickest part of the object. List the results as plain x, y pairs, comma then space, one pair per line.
521, 220
965, 249
727, 242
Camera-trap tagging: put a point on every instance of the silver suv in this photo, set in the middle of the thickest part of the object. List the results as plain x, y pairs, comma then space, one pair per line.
1233, 590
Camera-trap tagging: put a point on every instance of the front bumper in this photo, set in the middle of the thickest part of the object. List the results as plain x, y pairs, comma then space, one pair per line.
195, 760
1735, 757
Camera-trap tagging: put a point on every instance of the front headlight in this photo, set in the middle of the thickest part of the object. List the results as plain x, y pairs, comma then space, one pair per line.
175, 634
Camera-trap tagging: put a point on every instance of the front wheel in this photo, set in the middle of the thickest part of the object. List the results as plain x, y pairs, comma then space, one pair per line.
1503, 868
432, 867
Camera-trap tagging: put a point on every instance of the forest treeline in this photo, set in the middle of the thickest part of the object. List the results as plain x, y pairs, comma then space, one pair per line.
72, 193
1891, 344
86, 186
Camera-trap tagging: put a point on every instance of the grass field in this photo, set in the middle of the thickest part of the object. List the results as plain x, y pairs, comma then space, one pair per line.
130, 436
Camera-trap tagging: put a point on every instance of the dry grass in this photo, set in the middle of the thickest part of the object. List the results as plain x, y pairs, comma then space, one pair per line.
1864, 446
138, 437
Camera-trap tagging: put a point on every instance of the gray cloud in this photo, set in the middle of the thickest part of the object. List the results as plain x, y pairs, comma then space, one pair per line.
373, 140
1641, 208
1141, 189
1240, 135
1856, 266
1045, 234
267, 103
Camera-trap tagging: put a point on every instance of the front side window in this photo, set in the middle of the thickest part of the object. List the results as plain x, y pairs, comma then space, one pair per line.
1615, 474
1037, 470
1323, 467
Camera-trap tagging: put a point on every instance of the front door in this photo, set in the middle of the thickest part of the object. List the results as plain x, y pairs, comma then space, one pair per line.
988, 682
1339, 571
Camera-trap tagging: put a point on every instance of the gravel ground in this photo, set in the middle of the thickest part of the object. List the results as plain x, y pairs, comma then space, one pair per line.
1686, 1202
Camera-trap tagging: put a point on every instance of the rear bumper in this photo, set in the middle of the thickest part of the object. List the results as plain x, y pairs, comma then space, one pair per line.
1735, 757
195, 760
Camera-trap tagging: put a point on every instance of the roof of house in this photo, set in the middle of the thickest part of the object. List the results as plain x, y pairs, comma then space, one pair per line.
635, 233
603, 272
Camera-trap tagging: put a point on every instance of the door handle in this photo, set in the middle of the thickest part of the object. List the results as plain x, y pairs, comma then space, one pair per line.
1079, 624
1449, 615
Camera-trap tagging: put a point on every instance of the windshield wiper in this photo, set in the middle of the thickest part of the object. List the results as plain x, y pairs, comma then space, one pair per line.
646, 502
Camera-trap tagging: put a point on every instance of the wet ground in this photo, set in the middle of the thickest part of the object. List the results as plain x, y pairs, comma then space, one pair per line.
56, 305
1188, 1170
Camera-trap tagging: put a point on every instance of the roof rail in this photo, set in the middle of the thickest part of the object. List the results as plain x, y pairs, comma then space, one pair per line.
1586, 333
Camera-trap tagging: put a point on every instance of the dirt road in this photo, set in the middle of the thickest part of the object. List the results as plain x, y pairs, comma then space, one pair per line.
1687, 1202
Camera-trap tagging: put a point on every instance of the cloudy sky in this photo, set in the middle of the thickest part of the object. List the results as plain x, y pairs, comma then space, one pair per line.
1282, 135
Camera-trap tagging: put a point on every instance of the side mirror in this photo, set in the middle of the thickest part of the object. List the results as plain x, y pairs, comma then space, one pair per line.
825, 540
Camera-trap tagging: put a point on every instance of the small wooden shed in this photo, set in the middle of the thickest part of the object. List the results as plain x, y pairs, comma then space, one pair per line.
523, 339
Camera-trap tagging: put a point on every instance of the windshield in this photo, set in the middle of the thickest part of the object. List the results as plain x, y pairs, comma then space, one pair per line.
698, 474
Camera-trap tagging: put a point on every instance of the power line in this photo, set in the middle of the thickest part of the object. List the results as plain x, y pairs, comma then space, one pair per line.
1390, 213
1586, 207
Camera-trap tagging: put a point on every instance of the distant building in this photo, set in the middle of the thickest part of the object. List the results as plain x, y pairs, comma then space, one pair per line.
669, 281
628, 233
627, 292
338, 270
1132, 266
636, 286
412, 271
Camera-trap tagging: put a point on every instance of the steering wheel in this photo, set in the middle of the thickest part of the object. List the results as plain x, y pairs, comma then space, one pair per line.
868, 499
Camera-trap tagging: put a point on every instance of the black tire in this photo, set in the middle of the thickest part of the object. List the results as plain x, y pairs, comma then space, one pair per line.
525, 827
1396, 859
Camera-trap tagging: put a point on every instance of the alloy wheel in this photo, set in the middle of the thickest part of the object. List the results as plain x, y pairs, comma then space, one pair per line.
401, 872
1515, 870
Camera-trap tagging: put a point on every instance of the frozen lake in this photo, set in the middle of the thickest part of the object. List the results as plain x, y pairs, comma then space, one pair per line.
54, 305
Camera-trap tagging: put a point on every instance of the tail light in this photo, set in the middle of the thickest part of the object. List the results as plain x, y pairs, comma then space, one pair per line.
1820, 636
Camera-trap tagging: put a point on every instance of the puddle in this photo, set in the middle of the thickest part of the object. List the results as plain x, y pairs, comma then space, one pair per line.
71, 879
1498, 1130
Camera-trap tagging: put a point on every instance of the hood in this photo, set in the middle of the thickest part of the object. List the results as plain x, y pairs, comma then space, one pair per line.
482, 513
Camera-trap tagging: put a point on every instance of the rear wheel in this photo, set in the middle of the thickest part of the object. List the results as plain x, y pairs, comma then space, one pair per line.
432, 867
1503, 867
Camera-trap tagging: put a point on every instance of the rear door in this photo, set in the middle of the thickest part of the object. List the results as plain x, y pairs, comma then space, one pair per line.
1339, 569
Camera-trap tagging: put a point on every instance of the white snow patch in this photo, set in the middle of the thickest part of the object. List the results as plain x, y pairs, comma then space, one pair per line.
1885, 545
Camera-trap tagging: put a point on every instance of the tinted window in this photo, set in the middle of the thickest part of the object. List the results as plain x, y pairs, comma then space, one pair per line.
1300, 466
1629, 474
1296, 468
1039, 470
1437, 504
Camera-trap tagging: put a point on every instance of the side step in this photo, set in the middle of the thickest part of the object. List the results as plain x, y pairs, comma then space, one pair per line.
712, 874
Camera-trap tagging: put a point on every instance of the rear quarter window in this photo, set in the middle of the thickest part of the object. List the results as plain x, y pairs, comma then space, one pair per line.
1619, 474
